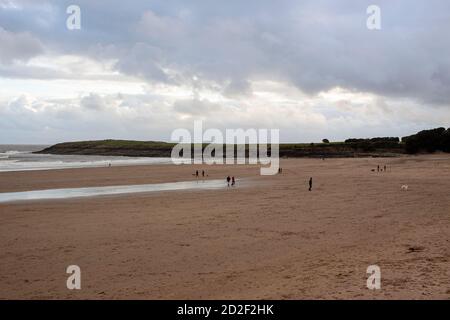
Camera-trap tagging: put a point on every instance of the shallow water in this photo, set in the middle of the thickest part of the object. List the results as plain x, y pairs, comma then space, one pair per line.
111, 190
21, 158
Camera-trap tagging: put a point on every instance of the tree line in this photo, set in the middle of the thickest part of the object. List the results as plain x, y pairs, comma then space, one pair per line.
428, 141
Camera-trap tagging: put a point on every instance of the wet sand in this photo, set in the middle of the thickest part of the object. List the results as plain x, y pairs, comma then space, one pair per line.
267, 239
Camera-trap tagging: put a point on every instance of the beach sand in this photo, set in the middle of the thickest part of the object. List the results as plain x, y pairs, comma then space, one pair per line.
267, 238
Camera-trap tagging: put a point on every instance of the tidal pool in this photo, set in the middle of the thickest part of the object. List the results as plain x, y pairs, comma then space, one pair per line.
110, 190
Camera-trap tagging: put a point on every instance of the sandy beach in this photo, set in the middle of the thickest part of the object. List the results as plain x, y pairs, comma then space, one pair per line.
266, 238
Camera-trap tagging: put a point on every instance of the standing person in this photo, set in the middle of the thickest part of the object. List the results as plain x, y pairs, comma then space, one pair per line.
385, 168
310, 184
233, 181
378, 168
228, 180
196, 173
203, 173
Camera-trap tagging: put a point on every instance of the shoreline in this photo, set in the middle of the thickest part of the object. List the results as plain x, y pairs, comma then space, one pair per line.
16, 181
78, 177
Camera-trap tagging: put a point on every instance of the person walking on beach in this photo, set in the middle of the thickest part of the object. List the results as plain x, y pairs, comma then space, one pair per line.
378, 168
203, 173
196, 173
310, 184
233, 181
228, 180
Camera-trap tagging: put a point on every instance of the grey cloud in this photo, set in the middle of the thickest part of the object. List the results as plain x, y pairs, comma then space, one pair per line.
93, 101
238, 88
20, 71
143, 60
196, 107
18, 46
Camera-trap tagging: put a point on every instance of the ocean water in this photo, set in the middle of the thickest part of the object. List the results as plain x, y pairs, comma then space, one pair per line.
109, 190
22, 158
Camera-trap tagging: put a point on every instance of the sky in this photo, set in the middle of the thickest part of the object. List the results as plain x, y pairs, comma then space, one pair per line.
141, 69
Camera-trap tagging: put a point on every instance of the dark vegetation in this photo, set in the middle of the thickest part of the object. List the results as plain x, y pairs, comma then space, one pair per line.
428, 141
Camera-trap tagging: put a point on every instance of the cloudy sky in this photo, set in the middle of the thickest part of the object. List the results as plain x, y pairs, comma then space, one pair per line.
140, 69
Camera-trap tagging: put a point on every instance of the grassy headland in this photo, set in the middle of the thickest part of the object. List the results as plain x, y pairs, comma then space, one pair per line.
423, 142
163, 149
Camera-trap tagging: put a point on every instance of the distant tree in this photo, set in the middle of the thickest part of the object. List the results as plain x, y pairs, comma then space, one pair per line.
428, 141
326, 141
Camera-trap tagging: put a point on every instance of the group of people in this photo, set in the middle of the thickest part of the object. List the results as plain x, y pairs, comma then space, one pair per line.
381, 169
233, 181
203, 173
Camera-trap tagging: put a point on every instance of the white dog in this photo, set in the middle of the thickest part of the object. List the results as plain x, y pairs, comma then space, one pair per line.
404, 187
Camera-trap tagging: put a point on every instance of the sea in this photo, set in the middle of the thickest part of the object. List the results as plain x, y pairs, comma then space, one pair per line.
15, 157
